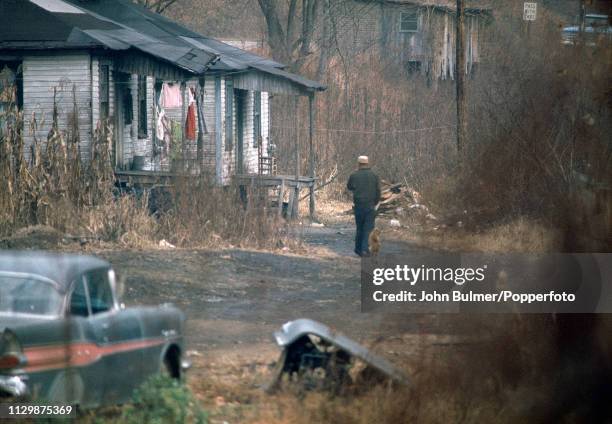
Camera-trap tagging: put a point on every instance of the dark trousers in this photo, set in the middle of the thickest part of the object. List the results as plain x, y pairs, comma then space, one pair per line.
364, 220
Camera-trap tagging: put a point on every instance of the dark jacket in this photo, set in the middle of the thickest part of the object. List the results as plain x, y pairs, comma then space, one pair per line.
365, 187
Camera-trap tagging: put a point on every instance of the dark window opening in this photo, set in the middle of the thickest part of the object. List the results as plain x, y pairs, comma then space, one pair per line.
78, 302
11, 92
104, 91
229, 115
142, 106
413, 67
409, 21
473, 70
100, 291
257, 119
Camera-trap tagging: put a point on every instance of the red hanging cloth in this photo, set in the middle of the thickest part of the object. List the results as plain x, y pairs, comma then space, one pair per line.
190, 123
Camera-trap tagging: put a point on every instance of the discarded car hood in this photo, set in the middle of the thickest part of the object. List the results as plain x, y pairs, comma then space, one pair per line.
293, 330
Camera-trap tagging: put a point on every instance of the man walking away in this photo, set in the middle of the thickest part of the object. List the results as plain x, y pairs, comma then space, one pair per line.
366, 194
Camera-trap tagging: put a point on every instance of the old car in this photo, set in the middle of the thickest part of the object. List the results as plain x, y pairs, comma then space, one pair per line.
66, 338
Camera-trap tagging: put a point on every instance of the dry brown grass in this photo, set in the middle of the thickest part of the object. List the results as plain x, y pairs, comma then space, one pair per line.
492, 377
519, 235
55, 188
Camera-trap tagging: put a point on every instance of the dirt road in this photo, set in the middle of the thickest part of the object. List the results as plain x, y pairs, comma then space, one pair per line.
235, 297
234, 300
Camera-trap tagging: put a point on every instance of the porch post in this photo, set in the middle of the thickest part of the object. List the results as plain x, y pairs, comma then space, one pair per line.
183, 118
311, 164
296, 195
200, 108
218, 133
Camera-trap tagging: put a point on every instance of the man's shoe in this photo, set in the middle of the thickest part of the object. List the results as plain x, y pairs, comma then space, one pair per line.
357, 253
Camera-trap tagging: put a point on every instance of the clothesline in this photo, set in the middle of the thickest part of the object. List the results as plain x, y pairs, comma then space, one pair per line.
366, 131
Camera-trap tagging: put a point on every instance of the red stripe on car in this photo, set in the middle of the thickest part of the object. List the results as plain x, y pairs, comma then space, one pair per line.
78, 354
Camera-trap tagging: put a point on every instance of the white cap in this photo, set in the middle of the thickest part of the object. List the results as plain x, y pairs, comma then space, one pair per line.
363, 160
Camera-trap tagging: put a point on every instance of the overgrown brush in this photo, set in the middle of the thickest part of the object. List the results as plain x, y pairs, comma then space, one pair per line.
202, 213
163, 400
53, 186
540, 124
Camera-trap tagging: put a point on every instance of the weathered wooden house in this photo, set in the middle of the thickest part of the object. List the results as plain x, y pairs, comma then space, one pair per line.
178, 101
417, 34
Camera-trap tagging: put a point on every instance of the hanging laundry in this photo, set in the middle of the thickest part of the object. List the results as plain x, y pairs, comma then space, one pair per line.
160, 130
171, 95
176, 136
190, 123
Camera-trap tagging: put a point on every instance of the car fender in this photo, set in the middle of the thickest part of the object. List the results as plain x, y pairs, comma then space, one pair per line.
67, 388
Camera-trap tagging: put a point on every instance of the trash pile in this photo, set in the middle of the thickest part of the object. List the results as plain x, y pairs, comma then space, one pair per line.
398, 200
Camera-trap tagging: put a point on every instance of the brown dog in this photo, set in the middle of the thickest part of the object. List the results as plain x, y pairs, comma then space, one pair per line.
374, 242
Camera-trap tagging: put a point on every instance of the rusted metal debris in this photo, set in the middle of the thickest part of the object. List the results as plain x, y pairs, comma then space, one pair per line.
319, 358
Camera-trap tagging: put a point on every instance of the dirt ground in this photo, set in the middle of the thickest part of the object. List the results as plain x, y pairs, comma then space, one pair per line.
238, 297
234, 299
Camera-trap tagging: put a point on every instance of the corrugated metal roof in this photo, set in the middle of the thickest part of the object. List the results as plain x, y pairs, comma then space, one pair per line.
298, 79
123, 25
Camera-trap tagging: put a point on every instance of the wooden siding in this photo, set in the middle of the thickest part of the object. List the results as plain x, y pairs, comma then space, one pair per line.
218, 125
250, 153
265, 122
209, 116
228, 165
137, 146
259, 81
376, 28
96, 62
41, 75
144, 146
95, 91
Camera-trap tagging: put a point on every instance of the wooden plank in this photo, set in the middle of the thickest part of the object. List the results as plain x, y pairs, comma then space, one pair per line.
255, 80
290, 209
281, 197
218, 133
295, 210
275, 180
311, 160
62, 72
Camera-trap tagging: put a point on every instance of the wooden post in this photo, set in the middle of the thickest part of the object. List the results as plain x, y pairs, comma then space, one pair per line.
581, 13
281, 197
295, 210
200, 108
460, 78
183, 118
311, 159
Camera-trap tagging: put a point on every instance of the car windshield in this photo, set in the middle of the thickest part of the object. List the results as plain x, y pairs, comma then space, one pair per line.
28, 295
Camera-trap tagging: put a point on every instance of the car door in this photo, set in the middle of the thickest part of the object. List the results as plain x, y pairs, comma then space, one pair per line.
118, 336
84, 355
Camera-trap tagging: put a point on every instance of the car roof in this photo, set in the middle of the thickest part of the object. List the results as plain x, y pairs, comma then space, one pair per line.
62, 268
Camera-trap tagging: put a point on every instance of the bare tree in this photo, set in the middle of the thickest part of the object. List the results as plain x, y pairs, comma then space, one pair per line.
157, 6
460, 77
289, 42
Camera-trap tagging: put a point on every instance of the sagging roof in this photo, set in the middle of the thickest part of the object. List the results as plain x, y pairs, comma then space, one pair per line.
121, 25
